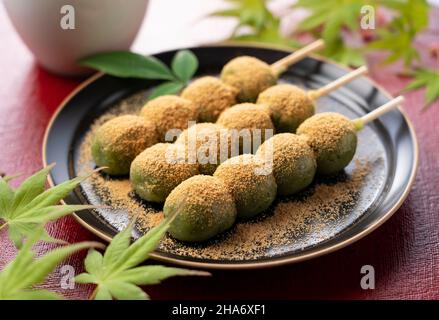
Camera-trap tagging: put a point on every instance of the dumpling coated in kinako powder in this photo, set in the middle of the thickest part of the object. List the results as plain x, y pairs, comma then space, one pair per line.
118, 141
252, 187
169, 112
289, 106
249, 75
293, 161
159, 169
204, 207
333, 138
211, 96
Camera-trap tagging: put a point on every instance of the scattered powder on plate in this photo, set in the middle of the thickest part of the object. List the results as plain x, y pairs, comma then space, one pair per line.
287, 220
284, 224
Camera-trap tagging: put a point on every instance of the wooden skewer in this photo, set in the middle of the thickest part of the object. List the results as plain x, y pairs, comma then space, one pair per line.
389, 106
281, 65
325, 90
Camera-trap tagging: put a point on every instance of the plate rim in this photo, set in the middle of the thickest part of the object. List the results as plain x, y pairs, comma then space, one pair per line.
251, 264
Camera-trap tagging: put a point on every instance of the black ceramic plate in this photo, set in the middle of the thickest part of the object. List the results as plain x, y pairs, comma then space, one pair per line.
389, 144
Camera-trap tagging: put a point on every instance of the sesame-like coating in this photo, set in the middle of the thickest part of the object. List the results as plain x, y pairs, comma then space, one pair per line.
211, 96
289, 106
255, 118
118, 141
333, 139
293, 160
159, 169
208, 143
252, 188
249, 75
169, 112
204, 208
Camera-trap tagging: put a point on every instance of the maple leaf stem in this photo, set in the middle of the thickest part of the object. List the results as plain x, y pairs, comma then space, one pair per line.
3, 225
93, 294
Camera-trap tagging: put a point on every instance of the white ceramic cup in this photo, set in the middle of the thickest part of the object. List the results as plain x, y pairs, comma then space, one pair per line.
100, 25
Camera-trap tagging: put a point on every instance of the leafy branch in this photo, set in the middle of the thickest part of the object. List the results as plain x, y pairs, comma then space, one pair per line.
115, 273
126, 64
19, 278
398, 36
255, 23
424, 78
29, 205
336, 22
330, 20
26, 210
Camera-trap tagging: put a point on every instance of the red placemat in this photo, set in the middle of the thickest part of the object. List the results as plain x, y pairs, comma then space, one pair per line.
404, 251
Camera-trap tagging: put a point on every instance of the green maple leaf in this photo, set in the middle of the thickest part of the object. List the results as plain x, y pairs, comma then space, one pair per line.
413, 13
116, 274
251, 13
261, 24
18, 278
428, 79
334, 16
398, 42
29, 205
345, 55
398, 37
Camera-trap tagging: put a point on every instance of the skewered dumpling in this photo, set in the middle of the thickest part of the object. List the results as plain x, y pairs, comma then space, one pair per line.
169, 112
249, 75
118, 141
159, 169
211, 96
207, 143
289, 106
204, 207
333, 138
293, 161
252, 186
255, 118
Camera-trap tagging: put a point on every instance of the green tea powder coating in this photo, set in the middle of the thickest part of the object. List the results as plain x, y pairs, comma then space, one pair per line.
333, 138
159, 169
289, 106
118, 141
204, 207
294, 163
249, 75
211, 96
253, 191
